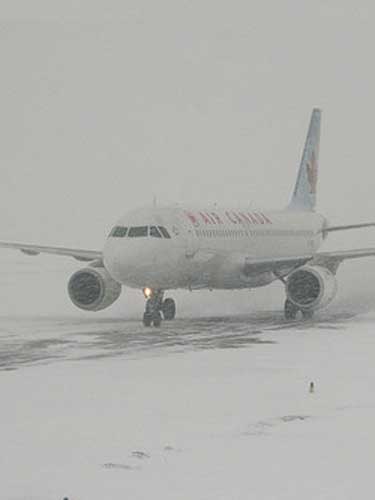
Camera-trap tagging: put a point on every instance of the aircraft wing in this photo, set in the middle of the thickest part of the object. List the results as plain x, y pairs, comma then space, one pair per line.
78, 254
282, 267
332, 260
330, 229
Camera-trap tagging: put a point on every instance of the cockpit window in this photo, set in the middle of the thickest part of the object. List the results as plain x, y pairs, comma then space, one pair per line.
164, 232
119, 232
154, 232
138, 232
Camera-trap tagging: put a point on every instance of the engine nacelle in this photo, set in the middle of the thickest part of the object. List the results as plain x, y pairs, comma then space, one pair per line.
93, 289
311, 287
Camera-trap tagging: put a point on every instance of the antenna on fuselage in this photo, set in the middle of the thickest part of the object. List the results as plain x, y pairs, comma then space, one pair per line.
154, 201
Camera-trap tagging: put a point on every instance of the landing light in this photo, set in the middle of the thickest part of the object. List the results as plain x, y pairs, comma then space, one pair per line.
147, 292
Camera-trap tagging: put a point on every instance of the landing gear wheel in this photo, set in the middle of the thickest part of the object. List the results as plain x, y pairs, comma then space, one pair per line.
169, 309
154, 305
147, 319
290, 310
156, 319
307, 314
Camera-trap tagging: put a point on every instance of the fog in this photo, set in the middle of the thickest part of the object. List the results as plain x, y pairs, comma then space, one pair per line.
106, 106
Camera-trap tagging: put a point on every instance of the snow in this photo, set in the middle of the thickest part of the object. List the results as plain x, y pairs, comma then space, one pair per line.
205, 424
97, 407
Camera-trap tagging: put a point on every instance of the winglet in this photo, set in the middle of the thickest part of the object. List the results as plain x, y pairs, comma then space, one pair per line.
304, 194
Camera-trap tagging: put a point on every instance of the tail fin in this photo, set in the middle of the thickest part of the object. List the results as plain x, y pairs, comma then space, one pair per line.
304, 194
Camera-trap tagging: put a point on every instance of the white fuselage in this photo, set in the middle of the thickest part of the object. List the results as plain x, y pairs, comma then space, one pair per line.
207, 248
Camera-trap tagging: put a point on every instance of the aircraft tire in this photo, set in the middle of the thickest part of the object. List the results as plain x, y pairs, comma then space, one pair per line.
156, 319
147, 319
307, 314
290, 310
169, 309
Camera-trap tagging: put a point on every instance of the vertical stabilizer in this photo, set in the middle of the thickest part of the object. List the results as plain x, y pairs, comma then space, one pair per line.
304, 194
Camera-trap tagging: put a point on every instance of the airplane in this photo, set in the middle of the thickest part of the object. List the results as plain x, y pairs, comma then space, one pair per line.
160, 248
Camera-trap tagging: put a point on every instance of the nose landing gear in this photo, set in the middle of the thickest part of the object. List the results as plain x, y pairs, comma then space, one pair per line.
155, 305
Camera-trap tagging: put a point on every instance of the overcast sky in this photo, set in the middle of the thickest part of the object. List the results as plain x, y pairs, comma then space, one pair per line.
107, 104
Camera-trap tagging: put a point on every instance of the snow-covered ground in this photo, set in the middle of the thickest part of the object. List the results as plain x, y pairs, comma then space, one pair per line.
99, 408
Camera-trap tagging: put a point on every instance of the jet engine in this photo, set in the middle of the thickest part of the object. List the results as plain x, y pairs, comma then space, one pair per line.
93, 289
311, 287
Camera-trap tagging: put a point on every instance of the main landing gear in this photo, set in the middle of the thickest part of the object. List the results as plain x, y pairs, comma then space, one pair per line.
156, 306
291, 311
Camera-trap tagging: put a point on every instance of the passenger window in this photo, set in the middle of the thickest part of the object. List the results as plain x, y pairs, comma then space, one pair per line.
138, 232
164, 232
119, 232
154, 232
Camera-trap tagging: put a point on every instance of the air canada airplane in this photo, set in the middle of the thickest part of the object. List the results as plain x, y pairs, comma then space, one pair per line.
156, 249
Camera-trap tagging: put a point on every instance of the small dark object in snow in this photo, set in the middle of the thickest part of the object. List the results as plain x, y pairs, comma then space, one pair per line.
312, 388
140, 454
119, 466
293, 418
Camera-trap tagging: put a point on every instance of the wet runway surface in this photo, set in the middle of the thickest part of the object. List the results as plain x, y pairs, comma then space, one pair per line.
30, 341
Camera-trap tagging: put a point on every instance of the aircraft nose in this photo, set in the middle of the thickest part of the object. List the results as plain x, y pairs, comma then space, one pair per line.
125, 260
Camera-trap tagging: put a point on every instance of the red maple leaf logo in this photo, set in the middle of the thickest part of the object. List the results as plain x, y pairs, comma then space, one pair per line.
312, 173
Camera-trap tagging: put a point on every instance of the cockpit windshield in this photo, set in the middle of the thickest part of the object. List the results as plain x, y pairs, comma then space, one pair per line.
154, 232
119, 232
164, 232
139, 232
